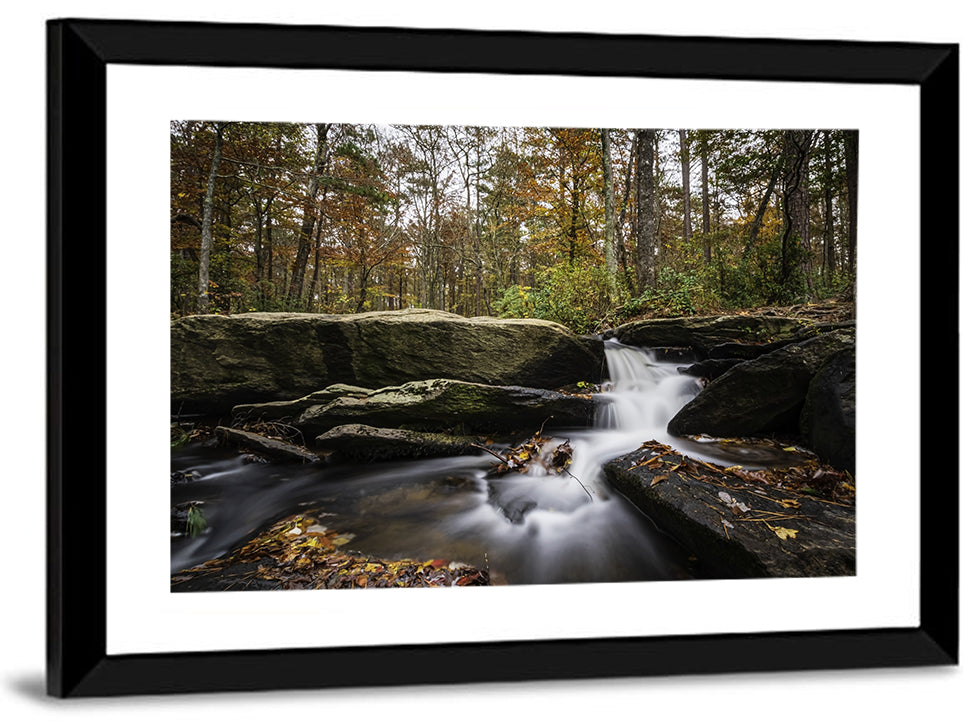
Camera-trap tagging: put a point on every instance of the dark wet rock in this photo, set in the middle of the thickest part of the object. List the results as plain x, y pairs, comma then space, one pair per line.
510, 498
287, 410
760, 396
703, 332
443, 405
218, 362
263, 447
735, 527
516, 510
740, 351
179, 518
829, 327
674, 354
178, 477
237, 577
367, 443
828, 422
710, 369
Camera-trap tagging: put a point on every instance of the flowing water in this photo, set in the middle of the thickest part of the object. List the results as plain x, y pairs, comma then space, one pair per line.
536, 527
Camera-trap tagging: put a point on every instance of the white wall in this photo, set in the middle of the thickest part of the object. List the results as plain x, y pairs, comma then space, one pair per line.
904, 693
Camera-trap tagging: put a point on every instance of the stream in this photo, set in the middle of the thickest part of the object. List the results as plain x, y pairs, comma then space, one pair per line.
526, 528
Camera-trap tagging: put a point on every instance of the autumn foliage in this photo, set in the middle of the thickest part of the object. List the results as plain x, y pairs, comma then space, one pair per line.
532, 222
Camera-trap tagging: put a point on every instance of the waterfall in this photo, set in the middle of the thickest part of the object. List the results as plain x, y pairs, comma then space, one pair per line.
533, 527
638, 400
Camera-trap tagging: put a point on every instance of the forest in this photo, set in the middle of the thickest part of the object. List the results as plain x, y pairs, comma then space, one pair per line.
587, 227
690, 413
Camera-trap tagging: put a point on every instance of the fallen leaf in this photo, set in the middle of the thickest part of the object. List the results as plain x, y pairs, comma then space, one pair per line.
658, 479
784, 533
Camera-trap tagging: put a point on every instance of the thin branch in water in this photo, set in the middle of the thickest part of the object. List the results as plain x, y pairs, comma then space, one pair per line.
591, 499
489, 450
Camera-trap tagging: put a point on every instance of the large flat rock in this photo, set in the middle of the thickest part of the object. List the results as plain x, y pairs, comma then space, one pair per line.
739, 527
367, 443
221, 361
701, 333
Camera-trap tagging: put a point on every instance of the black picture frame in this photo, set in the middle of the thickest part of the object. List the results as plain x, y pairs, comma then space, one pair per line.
79, 51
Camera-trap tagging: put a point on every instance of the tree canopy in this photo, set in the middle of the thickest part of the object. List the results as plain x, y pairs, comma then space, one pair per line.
584, 226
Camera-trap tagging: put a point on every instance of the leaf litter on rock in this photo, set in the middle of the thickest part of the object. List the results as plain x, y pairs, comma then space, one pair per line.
300, 553
808, 477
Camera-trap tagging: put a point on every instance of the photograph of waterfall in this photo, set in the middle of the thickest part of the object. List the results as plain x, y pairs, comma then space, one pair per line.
453, 355
549, 337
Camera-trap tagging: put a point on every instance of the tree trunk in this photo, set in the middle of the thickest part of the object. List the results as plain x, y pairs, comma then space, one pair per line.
705, 187
829, 252
850, 163
207, 222
313, 288
269, 247
764, 204
573, 221
645, 211
609, 241
796, 227
684, 157
309, 219
621, 221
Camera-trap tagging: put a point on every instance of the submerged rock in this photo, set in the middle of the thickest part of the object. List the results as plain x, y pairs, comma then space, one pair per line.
220, 361
268, 447
367, 443
440, 405
737, 527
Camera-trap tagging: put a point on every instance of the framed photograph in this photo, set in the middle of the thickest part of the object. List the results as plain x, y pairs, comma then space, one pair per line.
157, 584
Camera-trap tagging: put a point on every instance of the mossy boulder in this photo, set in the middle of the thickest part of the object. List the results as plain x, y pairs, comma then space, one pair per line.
367, 443
288, 410
444, 405
221, 361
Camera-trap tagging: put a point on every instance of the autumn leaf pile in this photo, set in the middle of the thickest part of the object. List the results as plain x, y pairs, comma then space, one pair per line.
300, 553
520, 458
806, 475
779, 488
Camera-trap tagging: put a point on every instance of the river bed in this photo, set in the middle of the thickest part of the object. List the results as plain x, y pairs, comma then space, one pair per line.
537, 527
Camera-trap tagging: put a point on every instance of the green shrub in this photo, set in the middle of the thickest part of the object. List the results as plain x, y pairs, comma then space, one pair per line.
579, 295
676, 293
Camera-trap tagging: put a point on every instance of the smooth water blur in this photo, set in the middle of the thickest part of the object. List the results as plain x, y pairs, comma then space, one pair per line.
535, 527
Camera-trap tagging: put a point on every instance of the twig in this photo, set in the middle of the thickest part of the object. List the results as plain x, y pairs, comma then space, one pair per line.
489, 450
581, 484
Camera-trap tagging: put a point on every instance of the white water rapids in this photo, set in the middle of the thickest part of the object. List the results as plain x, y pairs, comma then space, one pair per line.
536, 527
